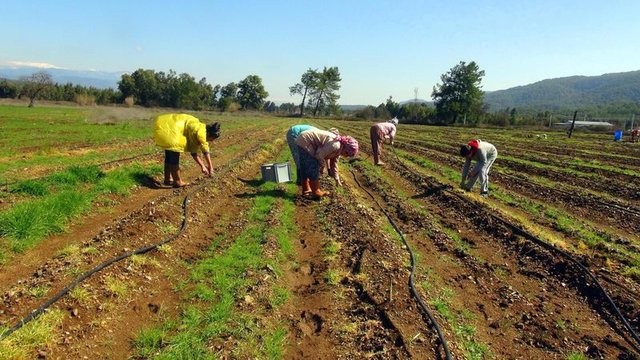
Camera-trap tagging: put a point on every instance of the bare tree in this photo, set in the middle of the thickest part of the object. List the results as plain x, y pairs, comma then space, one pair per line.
307, 83
35, 85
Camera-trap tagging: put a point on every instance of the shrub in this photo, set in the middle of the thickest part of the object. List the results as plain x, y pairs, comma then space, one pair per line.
129, 101
85, 100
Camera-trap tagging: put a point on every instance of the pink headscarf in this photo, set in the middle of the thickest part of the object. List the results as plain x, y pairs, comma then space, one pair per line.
349, 144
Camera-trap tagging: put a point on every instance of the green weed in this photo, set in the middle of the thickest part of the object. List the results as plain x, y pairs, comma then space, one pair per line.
576, 356
30, 187
36, 334
80, 294
148, 342
279, 296
274, 344
38, 291
116, 287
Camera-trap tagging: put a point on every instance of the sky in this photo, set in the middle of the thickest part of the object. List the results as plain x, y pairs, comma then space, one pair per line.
381, 48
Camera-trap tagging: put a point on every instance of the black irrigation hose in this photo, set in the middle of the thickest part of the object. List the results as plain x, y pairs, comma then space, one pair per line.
414, 292
563, 253
629, 210
34, 314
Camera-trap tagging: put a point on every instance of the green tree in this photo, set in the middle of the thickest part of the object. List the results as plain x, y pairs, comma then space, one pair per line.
35, 85
251, 93
270, 106
306, 84
288, 108
8, 89
392, 107
147, 90
460, 94
324, 92
228, 97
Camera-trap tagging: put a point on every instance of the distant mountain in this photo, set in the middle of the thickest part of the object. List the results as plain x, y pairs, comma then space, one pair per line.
569, 92
98, 79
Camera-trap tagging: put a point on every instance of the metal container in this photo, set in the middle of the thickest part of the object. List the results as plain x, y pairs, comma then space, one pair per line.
279, 172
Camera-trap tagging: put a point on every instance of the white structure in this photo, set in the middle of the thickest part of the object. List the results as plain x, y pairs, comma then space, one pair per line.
583, 123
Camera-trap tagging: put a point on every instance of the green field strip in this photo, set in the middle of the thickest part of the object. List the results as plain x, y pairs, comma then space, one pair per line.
457, 318
584, 233
219, 282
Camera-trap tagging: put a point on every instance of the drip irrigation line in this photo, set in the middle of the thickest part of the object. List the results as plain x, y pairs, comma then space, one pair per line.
414, 292
34, 314
629, 210
564, 254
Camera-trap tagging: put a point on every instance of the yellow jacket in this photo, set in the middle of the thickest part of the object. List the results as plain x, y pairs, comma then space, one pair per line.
180, 133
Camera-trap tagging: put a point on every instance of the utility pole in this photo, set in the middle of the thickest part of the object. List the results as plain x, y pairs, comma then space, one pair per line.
633, 117
549, 120
573, 123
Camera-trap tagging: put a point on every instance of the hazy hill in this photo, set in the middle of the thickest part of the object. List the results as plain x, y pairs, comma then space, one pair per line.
572, 92
558, 93
98, 79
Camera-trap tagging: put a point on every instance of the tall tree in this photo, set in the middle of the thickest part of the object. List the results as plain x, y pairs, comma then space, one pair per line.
460, 94
251, 93
324, 92
228, 96
307, 82
36, 85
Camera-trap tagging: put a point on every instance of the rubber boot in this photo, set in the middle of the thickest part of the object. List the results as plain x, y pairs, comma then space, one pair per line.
306, 186
315, 188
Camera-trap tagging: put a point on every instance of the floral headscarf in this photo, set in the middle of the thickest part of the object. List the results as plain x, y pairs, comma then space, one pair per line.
349, 144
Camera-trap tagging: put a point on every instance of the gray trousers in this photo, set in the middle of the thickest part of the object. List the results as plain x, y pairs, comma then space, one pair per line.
481, 169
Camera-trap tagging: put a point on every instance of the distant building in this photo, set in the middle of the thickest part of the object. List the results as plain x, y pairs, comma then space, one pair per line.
584, 124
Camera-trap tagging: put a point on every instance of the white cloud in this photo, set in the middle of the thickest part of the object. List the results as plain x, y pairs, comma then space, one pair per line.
139, 49
41, 65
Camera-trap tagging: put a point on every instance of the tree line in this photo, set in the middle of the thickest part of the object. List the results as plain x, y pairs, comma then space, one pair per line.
457, 100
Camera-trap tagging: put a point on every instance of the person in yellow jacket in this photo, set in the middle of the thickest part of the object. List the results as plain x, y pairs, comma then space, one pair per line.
177, 133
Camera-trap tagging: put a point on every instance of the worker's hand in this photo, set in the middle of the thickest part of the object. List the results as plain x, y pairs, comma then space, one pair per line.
205, 171
338, 182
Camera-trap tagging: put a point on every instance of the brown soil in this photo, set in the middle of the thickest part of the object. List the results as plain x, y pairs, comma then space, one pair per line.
521, 300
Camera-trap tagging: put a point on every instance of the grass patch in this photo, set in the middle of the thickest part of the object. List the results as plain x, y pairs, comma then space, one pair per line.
80, 294
38, 292
27, 223
36, 334
218, 283
116, 287
148, 342
70, 193
576, 356
331, 249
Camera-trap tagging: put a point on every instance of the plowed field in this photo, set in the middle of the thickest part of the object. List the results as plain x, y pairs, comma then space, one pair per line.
547, 267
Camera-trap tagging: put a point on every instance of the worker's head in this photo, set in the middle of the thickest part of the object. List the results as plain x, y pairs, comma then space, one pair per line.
348, 146
213, 131
465, 150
